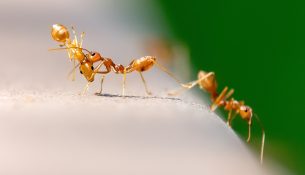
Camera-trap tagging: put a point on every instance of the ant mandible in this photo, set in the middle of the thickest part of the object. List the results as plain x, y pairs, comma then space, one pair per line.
75, 51
207, 82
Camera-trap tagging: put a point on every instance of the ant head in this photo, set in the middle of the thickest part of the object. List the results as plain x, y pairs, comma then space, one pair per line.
60, 33
94, 57
86, 68
246, 113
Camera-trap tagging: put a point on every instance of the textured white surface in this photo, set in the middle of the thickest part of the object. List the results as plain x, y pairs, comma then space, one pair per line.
43, 132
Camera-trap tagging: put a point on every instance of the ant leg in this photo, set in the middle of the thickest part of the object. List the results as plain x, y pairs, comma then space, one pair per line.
96, 70
85, 89
263, 138
229, 94
124, 80
190, 85
75, 37
194, 83
219, 98
145, 85
81, 39
177, 92
73, 71
229, 118
249, 132
102, 80
74, 42
168, 72
223, 96
69, 49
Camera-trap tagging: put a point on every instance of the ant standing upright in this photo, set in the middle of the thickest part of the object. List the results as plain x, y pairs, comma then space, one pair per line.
207, 82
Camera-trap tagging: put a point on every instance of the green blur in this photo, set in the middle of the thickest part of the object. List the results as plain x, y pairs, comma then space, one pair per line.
257, 48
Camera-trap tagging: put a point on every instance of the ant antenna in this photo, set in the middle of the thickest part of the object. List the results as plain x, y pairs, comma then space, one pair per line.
263, 137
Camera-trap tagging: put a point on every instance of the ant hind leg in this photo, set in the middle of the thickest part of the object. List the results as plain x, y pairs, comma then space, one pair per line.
189, 85
249, 132
102, 80
73, 70
229, 122
145, 85
222, 96
124, 81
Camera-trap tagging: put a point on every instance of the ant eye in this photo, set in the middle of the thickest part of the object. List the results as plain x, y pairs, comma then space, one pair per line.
81, 72
92, 67
92, 54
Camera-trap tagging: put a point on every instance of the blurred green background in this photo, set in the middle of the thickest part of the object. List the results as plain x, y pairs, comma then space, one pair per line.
257, 48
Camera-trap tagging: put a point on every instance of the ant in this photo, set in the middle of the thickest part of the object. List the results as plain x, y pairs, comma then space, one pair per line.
207, 82
86, 61
74, 48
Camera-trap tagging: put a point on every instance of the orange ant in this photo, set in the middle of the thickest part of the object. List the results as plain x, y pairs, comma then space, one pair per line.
75, 51
74, 47
207, 82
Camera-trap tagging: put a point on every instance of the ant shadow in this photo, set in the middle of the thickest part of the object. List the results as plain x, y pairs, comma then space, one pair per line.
137, 97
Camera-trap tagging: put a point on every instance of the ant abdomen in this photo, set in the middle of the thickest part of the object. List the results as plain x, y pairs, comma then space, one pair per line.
144, 63
209, 83
60, 33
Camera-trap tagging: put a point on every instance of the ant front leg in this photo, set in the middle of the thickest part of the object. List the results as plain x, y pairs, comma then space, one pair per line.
95, 71
85, 89
102, 80
108, 69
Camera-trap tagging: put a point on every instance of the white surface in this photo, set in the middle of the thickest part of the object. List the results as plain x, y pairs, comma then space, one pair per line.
63, 133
